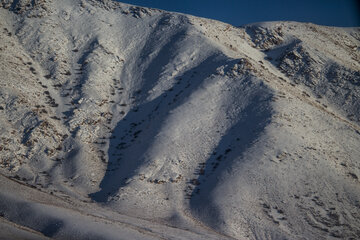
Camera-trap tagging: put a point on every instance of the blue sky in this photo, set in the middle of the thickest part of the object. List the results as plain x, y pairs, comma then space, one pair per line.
344, 13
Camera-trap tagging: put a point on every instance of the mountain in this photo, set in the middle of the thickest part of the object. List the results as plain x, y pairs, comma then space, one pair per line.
123, 122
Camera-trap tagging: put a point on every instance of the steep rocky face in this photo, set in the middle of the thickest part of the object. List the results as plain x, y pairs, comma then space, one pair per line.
252, 132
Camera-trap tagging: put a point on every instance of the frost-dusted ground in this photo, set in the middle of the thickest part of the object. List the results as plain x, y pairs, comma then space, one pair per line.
121, 122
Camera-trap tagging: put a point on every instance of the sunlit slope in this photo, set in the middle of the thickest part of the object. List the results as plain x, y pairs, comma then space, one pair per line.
246, 133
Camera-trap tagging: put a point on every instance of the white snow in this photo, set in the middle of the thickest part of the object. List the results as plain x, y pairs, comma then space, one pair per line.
122, 122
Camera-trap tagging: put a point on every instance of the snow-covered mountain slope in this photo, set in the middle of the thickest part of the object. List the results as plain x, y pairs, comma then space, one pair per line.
149, 124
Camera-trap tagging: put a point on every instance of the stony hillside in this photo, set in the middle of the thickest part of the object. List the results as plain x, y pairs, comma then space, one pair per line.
149, 124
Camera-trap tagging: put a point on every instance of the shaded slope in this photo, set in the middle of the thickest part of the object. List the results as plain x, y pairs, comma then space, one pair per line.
248, 132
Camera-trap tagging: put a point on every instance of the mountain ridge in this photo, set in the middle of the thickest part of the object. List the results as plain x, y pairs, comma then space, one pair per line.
251, 132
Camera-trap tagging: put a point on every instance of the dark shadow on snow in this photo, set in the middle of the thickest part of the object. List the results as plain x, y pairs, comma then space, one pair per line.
134, 134
240, 137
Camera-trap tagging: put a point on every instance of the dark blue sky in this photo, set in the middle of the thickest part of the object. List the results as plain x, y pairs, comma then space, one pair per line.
344, 13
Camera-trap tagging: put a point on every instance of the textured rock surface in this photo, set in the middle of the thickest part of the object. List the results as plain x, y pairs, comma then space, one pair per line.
201, 128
